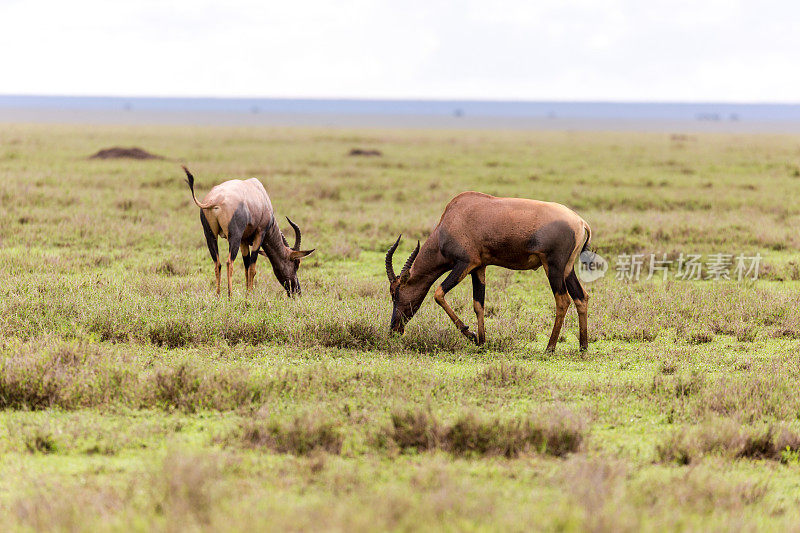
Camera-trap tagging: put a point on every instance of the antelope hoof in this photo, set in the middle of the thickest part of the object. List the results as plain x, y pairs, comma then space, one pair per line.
471, 336
550, 349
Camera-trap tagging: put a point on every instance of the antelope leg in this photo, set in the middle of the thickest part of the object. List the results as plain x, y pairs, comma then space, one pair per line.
459, 272
478, 293
581, 298
555, 274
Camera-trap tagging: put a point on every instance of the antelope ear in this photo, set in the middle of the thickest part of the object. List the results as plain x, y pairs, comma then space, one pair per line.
295, 254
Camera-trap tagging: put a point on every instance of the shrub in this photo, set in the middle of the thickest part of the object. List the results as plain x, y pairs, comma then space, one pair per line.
507, 375
670, 384
415, 429
300, 436
338, 333
555, 432
728, 438
173, 334
188, 389
40, 440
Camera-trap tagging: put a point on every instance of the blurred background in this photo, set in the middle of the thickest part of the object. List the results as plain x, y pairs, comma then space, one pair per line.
662, 65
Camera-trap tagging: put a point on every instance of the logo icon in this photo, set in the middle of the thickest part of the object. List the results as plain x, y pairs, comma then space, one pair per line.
591, 267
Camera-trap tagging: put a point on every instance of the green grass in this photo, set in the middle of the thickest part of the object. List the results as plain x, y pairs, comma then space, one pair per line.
131, 397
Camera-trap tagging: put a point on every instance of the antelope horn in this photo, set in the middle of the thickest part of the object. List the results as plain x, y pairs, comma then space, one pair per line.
410, 261
389, 254
297, 235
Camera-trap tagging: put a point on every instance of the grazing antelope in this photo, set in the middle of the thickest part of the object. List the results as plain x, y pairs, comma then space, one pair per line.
241, 212
477, 230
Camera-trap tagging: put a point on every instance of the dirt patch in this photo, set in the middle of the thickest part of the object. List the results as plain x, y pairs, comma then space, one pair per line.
124, 153
361, 151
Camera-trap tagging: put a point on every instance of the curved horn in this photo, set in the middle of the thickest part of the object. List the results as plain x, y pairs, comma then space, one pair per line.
297, 235
389, 254
410, 261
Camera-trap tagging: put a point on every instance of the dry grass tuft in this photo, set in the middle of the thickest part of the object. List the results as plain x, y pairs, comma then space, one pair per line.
68, 375
556, 432
598, 486
187, 388
171, 333
504, 374
728, 438
354, 333
302, 435
185, 489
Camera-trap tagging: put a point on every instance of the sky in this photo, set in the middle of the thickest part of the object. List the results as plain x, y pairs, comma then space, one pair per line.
563, 50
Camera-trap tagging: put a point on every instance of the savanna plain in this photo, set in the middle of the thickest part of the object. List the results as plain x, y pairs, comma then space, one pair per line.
133, 398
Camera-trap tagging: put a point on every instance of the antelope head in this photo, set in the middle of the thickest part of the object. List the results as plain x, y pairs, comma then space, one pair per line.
406, 301
286, 269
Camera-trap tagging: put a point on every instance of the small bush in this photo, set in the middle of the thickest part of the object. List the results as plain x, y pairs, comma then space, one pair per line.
556, 432
21, 391
415, 429
700, 337
728, 438
675, 448
336, 333
756, 394
108, 328
32, 381
668, 368
507, 375
171, 267
172, 334
254, 333
177, 387
427, 340
40, 440
676, 385
185, 488
300, 436
188, 389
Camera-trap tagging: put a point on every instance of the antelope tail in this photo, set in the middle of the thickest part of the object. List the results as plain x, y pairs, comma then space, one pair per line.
588, 240
190, 181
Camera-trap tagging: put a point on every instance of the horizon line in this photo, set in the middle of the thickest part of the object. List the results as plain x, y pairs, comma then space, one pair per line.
404, 99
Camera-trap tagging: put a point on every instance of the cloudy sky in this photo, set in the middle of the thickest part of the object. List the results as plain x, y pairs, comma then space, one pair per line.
622, 50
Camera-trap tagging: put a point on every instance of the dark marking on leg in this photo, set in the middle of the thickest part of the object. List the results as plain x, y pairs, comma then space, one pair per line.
478, 295
252, 266
218, 273
233, 245
236, 228
245, 249
211, 239
478, 288
455, 277
581, 299
213, 249
574, 287
555, 275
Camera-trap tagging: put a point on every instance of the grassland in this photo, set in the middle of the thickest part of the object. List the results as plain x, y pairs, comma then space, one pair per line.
132, 398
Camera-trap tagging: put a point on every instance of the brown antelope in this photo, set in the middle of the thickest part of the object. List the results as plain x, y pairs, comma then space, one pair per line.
241, 212
477, 230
